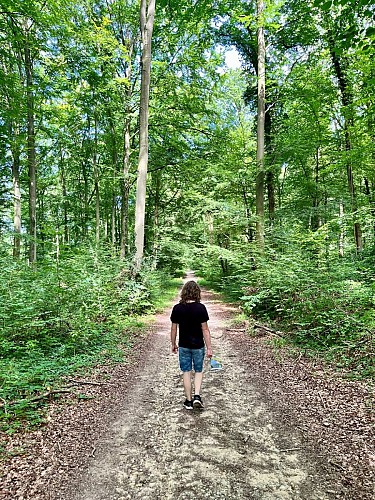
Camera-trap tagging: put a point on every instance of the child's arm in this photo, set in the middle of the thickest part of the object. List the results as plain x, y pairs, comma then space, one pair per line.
207, 339
173, 337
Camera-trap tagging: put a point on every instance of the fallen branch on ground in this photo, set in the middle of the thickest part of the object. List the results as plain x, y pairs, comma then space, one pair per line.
269, 330
36, 398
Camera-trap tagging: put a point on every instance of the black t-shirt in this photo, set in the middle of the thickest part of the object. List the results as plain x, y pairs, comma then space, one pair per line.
190, 317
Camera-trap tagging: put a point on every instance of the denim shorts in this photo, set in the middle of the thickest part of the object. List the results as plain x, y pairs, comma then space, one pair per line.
189, 358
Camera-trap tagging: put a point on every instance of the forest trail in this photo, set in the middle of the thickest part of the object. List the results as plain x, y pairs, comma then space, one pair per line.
234, 449
274, 427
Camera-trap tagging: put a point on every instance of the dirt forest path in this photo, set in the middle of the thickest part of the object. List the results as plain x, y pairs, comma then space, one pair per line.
234, 449
271, 429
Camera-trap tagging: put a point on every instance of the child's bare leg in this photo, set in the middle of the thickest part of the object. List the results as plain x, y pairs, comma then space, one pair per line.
198, 382
187, 384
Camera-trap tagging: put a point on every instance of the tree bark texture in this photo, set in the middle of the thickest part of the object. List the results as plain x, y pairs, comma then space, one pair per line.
260, 126
346, 98
96, 183
147, 14
16, 203
31, 153
65, 198
269, 175
125, 188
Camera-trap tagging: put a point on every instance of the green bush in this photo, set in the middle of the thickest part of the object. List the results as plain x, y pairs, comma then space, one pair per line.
323, 306
58, 317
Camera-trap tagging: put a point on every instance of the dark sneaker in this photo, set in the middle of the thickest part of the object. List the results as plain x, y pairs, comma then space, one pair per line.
188, 404
197, 402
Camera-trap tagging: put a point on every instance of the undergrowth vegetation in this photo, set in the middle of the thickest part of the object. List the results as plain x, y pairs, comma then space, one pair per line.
61, 317
324, 307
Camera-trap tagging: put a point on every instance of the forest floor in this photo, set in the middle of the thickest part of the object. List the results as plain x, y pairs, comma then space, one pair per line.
275, 426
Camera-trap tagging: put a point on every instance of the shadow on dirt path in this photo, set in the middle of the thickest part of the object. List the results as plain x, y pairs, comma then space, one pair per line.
234, 449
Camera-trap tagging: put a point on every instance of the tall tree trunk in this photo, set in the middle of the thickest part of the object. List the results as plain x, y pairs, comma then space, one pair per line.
147, 14
65, 198
125, 190
113, 220
85, 202
16, 203
31, 154
126, 158
97, 208
269, 176
260, 126
96, 181
340, 65
342, 234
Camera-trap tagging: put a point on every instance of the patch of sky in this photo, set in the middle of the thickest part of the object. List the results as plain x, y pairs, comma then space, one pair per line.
231, 59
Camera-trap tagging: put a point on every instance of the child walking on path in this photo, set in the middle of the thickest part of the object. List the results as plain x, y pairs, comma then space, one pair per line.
190, 316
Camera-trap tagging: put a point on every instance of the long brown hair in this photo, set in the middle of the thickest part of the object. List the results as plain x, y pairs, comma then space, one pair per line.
190, 291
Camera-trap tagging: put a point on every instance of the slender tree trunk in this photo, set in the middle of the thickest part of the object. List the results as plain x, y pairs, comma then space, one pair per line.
339, 65
147, 14
97, 202
113, 220
65, 198
260, 126
96, 180
31, 153
126, 158
342, 234
125, 191
16, 203
269, 176
85, 211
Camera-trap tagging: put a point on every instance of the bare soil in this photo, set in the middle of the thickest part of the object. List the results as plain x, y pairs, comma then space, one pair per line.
273, 427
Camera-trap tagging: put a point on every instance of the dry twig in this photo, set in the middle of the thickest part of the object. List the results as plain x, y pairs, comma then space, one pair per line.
269, 330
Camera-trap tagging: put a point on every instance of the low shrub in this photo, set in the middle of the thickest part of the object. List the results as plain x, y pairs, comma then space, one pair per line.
59, 317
